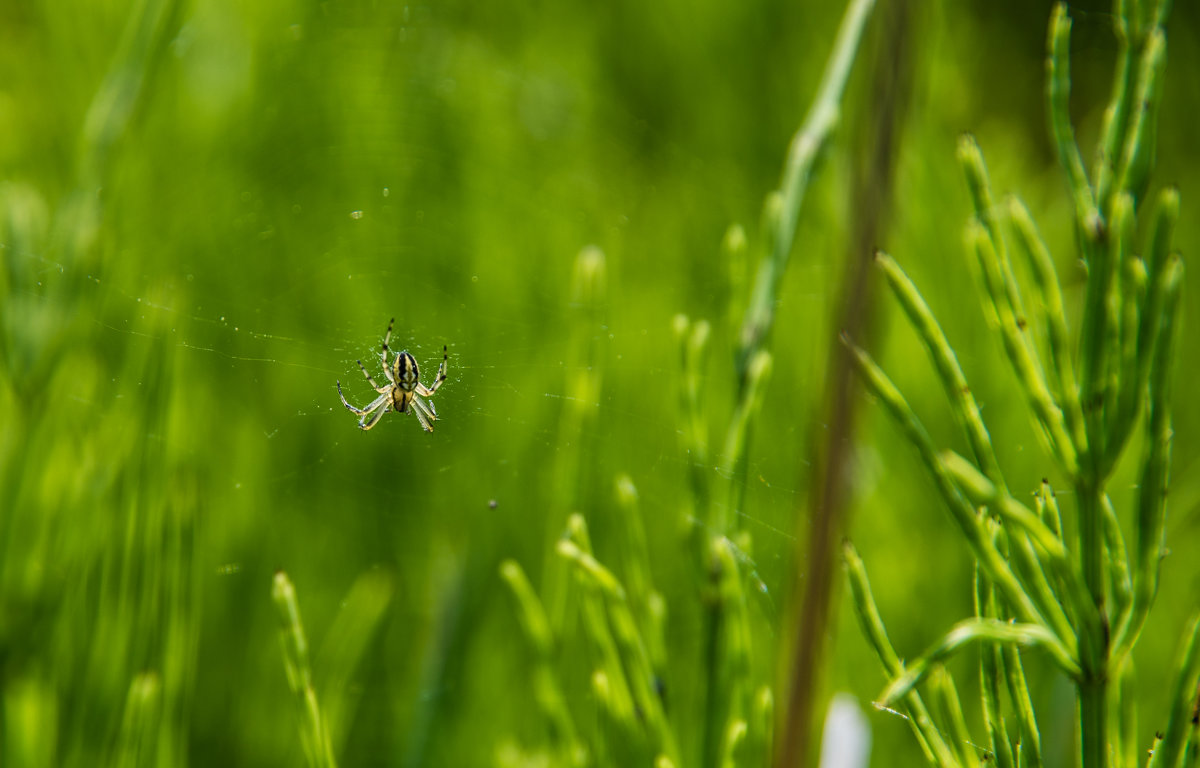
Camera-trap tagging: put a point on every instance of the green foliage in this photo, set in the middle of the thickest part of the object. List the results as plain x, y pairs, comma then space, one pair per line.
628, 640
209, 211
1035, 585
314, 733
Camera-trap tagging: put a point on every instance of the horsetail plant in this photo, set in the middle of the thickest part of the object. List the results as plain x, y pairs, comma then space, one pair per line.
623, 616
314, 731
584, 382
624, 629
1083, 600
716, 519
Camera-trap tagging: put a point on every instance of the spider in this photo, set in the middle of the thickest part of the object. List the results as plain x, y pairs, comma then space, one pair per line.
403, 388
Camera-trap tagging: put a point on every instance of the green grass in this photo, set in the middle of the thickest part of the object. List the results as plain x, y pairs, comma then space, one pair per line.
1080, 598
209, 211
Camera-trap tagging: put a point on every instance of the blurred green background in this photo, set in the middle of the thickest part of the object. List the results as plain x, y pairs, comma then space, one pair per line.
210, 209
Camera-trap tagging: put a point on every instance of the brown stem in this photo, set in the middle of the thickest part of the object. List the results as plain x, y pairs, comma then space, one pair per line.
829, 489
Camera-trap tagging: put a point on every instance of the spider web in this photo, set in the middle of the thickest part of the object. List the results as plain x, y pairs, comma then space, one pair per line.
254, 346
255, 321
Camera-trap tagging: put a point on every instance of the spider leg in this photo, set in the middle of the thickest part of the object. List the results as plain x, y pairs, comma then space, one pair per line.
370, 381
367, 423
425, 391
346, 403
360, 411
395, 396
383, 351
420, 415
425, 408
387, 338
387, 369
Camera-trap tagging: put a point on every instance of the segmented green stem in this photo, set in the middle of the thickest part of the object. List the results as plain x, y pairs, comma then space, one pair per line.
962, 511
928, 734
966, 410
314, 733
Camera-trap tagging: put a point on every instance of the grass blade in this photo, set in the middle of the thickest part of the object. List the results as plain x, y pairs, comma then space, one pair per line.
1050, 292
966, 410
357, 620
960, 508
945, 697
1155, 471
1138, 154
976, 630
314, 734
1058, 91
919, 719
991, 673
1183, 702
546, 689
1048, 415
802, 154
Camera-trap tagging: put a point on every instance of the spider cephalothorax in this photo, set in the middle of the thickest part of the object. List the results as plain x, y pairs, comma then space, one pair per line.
404, 387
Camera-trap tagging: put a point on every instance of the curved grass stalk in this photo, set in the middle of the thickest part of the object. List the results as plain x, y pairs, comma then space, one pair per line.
546, 688
1046, 280
977, 630
1169, 752
990, 559
314, 732
1062, 591
802, 155
991, 672
614, 623
954, 382
1058, 91
928, 734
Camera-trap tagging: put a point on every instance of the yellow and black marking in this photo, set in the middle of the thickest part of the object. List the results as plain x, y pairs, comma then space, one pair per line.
404, 387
